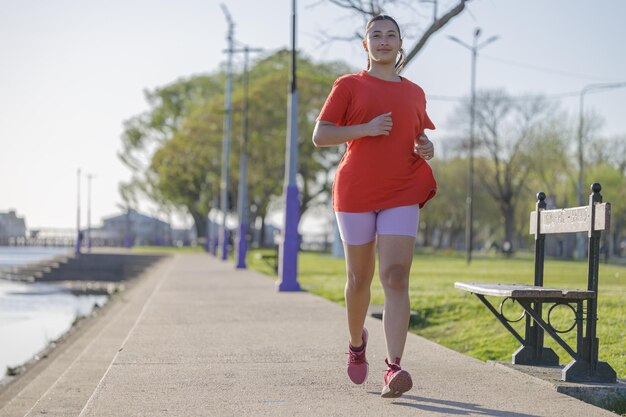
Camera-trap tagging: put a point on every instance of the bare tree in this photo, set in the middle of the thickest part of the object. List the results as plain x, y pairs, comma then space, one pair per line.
610, 151
369, 8
508, 131
607, 164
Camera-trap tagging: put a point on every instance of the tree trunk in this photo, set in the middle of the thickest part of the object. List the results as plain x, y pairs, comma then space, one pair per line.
426, 233
200, 222
508, 211
617, 233
262, 232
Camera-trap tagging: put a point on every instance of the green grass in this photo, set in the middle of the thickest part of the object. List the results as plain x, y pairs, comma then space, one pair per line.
167, 249
458, 320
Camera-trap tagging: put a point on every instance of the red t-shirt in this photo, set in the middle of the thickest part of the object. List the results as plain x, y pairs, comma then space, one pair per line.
379, 172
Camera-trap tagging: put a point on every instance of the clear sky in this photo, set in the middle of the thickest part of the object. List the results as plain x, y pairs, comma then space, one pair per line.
71, 71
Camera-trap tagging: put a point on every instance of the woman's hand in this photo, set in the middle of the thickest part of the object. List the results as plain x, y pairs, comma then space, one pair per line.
424, 147
380, 125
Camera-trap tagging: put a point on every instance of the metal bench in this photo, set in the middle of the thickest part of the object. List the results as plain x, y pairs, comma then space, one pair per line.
585, 366
270, 259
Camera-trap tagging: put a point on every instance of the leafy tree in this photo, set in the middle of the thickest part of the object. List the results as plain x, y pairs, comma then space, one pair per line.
169, 106
268, 129
184, 169
145, 133
183, 133
444, 217
314, 84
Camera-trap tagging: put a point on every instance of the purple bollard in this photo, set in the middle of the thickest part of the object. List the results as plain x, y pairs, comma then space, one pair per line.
288, 253
242, 246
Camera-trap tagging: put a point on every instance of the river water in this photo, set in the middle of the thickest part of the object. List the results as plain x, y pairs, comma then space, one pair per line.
34, 314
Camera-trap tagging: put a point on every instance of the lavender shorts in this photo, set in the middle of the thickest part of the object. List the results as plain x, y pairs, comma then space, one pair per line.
362, 228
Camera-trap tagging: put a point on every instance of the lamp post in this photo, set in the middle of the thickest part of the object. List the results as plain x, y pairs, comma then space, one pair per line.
469, 213
242, 195
223, 235
78, 233
290, 245
580, 239
89, 178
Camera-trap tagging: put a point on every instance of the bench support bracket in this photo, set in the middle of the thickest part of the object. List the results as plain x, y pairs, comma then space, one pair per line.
532, 351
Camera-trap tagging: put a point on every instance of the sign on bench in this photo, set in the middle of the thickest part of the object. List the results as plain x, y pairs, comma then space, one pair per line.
571, 220
585, 365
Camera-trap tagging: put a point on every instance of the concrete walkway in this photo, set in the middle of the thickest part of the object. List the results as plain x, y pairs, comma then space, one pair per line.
196, 337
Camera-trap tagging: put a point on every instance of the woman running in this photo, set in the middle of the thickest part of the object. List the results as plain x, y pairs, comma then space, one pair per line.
381, 183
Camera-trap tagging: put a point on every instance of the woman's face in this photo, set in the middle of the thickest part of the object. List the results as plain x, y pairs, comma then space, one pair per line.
382, 42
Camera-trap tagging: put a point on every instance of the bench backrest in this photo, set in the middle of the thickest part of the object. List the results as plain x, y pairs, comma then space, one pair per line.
571, 220
592, 219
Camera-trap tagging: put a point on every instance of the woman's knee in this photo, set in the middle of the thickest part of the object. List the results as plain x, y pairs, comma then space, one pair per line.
359, 280
395, 277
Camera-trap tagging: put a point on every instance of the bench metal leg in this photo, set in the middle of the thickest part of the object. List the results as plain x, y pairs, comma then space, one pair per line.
583, 371
583, 368
534, 352
538, 320
588, 368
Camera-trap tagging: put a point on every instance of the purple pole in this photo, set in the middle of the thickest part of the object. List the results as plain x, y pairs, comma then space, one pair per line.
214, 229
242, 243
127, 235
207, 240
89, 177
226, 144
290, 245
242, 246
78, 239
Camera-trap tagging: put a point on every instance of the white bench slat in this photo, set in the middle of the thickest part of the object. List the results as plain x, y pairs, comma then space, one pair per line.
522, 291
571, 220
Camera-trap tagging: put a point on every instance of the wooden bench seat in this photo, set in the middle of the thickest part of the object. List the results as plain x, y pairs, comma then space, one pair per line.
523, 291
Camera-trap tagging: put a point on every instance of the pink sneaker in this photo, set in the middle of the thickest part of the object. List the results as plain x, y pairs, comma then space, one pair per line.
397, 381
357, 363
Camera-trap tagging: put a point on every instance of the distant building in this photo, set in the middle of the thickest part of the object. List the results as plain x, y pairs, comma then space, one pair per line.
138, 228
12, 226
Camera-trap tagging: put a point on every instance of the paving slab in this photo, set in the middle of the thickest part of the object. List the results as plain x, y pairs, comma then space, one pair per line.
196, 337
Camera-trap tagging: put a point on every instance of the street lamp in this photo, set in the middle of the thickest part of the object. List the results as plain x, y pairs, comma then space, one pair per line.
290, 245
89, 178
580, 241
223, 236
242, 200
470, 178
78, 233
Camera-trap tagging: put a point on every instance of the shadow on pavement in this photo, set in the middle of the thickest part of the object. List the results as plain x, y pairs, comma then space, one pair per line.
451, 407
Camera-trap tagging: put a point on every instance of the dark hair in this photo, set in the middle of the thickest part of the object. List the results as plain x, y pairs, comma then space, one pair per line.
400, 63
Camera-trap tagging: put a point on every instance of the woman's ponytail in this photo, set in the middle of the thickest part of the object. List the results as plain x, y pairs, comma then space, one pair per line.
400, 63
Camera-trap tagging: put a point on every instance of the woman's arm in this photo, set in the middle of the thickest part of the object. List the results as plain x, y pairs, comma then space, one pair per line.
329, 134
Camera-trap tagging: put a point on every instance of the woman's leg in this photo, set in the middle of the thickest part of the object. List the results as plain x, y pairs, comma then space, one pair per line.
360, 264
397, 229
395, 255
358, 234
